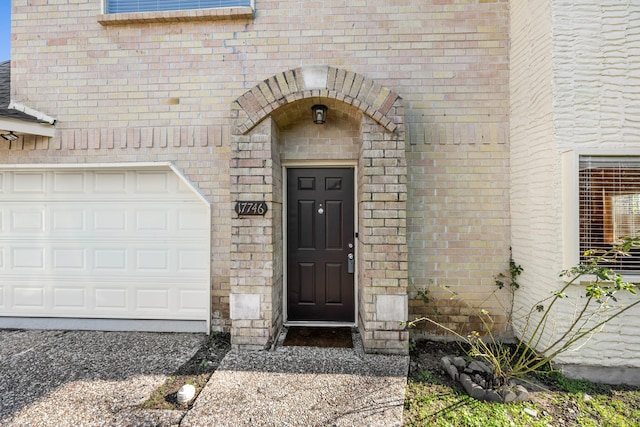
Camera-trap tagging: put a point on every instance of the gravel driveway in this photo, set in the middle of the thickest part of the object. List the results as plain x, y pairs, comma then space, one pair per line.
81, 378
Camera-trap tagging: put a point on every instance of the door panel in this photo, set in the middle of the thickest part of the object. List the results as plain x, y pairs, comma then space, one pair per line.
320, 228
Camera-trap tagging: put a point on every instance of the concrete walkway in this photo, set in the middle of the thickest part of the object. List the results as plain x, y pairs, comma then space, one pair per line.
303, 386
79, 378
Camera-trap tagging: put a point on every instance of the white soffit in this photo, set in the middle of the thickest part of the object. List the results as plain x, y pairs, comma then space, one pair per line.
29, 128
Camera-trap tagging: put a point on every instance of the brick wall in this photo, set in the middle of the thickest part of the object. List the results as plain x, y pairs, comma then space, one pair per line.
581, 97
458, 232
382, 243
146, 91
374, 116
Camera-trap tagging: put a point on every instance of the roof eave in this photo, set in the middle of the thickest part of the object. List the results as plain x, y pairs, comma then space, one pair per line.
25, 127
13, 105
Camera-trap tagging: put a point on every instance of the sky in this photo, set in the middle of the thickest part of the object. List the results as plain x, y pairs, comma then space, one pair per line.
5, 29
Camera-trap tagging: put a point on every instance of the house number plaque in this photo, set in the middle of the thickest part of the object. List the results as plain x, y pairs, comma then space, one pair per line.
251, 208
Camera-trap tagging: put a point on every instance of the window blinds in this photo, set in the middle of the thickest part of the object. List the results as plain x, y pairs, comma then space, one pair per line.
609, 208
126, 6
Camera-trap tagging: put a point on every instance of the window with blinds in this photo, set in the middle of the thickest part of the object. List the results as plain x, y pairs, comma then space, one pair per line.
128, 6
609, 205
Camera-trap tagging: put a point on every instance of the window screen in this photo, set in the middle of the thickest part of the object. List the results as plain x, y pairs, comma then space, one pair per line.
610, 205
126, 6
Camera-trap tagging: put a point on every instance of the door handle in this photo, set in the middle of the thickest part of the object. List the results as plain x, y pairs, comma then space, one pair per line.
351, 264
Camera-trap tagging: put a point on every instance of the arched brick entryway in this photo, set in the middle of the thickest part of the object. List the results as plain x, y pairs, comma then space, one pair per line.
376, 113
376, 101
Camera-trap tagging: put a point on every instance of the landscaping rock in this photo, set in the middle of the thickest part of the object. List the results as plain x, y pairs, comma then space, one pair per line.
451, 369
493, 396
478, 366
522, 395
508, 395
465, 380
474, 390
478, 380
459, 362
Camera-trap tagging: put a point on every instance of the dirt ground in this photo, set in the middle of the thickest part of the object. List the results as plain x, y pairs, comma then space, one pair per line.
195, 371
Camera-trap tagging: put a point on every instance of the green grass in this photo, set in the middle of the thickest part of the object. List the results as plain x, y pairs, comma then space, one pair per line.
428, 404
433, 400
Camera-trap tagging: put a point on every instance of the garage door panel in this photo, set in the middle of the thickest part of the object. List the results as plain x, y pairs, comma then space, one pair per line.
30, 259
152, 183
192, 261
192, 300
28, 297
152, 259
152, 220
191, 220
111, 299
109, 220
69, 298
98, 186
27, 221
58, 219
76, 298
69, 182
110, 259
109, 182
152, 299
68, 259
103, 244
28, 183
66, 220
82, 257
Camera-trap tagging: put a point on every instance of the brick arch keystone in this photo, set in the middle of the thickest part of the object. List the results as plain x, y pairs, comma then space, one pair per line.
371, 98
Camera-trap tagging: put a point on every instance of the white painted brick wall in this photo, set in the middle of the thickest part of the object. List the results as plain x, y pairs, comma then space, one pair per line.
533, 202
574, 85
597, 65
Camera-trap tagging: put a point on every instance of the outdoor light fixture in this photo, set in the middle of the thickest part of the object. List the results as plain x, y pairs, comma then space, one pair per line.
9, 136
319, 114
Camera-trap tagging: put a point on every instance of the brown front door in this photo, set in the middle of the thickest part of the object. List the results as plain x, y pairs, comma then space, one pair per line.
320, 241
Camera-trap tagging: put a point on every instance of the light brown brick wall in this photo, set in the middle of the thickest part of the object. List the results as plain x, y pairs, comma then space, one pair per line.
162, 91
339, 140
459, 230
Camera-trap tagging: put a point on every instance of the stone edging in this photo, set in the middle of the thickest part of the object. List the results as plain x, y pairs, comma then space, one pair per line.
479, 382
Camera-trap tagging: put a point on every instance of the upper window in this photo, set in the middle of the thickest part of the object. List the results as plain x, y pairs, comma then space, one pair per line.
129, 6
610, 205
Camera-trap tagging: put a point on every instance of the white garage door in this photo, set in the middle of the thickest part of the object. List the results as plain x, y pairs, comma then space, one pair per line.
103, 243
